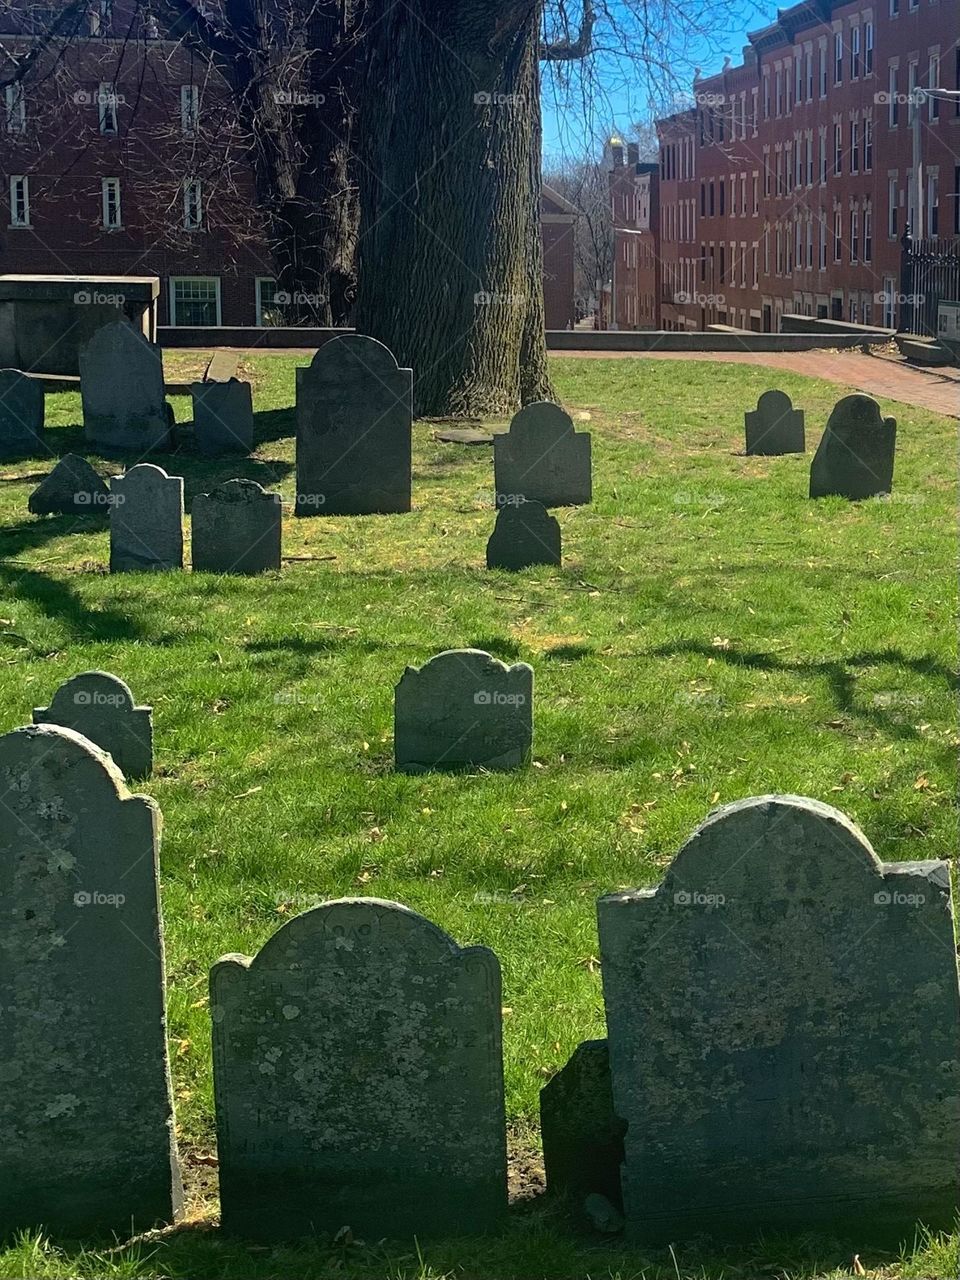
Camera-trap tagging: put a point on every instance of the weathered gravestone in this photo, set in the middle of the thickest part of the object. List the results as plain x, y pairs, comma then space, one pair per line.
101, 707
354, 424
146, 520
72, 488
463, 709
223, 416
525, 534
21, 414
856, 452
358, 1079
582, 1135
86, 1112
783, 1016
236, 529
775, 426
121, 387
542, 459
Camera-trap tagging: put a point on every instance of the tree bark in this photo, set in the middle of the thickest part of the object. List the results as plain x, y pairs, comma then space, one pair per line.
450, 258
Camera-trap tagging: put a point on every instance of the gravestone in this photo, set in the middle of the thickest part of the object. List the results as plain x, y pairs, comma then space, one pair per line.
582, 1136
774, 427
236, 529
783, 1017
86, 1111
100, 706
856, 452
542, 459
21, 415
146, 520
525, 534
121, 387
223, 416
358, 1079
354, 423
463, 435
463, 709
72, 488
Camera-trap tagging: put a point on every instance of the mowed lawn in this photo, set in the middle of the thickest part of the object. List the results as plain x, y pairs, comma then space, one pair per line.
713, 634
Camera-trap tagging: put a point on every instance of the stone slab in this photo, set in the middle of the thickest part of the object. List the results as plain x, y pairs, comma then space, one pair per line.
223, 416
236, 529
542, 459
72, 488
146, 520
100, 706
122, 391
856, 453
774, 427
21, 415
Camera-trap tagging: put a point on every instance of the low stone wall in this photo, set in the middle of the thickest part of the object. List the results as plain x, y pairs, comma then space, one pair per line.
810, 324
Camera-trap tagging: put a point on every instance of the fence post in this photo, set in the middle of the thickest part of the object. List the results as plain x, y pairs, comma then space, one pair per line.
906, 282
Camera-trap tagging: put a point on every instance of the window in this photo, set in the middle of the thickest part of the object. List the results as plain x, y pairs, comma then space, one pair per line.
893, 199
723, 197
798, 84
867, 234
868, 48
838, 57
911, 91
16, 108
703, 199
19, 202
893, 94
189, 109
766, 96
110, 196
766, 171
822, 231
195, 300
854, 146
823, 70
192, 205
779, 252
779, 173
756, 267
889, 301
867, 144
933, 82
933, 204
838, 149
894, 8
809, 72
810, 242
778, 75
810, 159
107, 107
788, 165
854, 235
855, 53
837, 235
712, 199
823, 157
100, 18
798, 250
756, 194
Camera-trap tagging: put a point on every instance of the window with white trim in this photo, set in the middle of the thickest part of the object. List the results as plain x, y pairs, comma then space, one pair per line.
195, 300
107, 108
110, 201
192, 204
16, 108
19, 201
189, 109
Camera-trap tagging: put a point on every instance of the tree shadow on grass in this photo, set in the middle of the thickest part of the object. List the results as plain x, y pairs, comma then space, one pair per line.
840, 674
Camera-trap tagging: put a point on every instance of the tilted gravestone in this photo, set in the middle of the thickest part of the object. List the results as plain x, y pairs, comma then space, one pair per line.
358, 1078
21, 414
223, 416
86, 1111
354, 425
463, 709
146, 520
121, 387
542, 459
72, 488
774, 427
236, 529
525, 534
856, 452
101, 707
783, 1018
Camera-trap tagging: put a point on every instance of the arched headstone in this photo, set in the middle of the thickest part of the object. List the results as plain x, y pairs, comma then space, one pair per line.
100, 706
21, 414
146, 520
542, 459
223, 416
235, 528
354, 426
121, 386
855, 456
359, 1079
86, 1112
775, 426
783, 1021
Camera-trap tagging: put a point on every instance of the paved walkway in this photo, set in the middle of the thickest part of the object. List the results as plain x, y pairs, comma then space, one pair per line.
938, 390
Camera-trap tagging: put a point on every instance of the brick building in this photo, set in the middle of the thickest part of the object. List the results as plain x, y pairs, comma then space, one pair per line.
122, 156
787, 184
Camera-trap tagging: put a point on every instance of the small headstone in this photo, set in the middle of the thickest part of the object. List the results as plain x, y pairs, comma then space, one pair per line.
236, 529
783, 1016
774, 427
542, 459
354, 430
72, 488
856, 452
21, 414
86, 1112
464, 435
582, 1137
222, 366
146, 520
101, 707
121, 386
223, 416
463, 709
525, 534
359, 1081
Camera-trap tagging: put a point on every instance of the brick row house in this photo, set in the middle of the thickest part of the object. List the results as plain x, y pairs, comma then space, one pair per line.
123, 156
787, 184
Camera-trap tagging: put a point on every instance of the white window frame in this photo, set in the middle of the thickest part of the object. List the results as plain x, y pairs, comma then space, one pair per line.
21, 198
172, 290
15, 103
107, 109
189, 110
192, 187
110, 197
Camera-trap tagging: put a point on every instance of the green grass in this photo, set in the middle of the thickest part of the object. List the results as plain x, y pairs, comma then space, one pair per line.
712, 635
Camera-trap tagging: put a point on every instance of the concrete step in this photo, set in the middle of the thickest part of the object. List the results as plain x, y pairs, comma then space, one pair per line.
925, 351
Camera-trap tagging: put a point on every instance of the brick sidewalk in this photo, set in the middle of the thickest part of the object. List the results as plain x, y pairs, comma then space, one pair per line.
937, 390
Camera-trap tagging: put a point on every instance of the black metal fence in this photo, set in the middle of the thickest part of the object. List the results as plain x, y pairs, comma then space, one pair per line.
929, 274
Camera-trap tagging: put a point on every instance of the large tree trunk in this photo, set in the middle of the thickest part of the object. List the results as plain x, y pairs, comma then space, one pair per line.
450, 258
